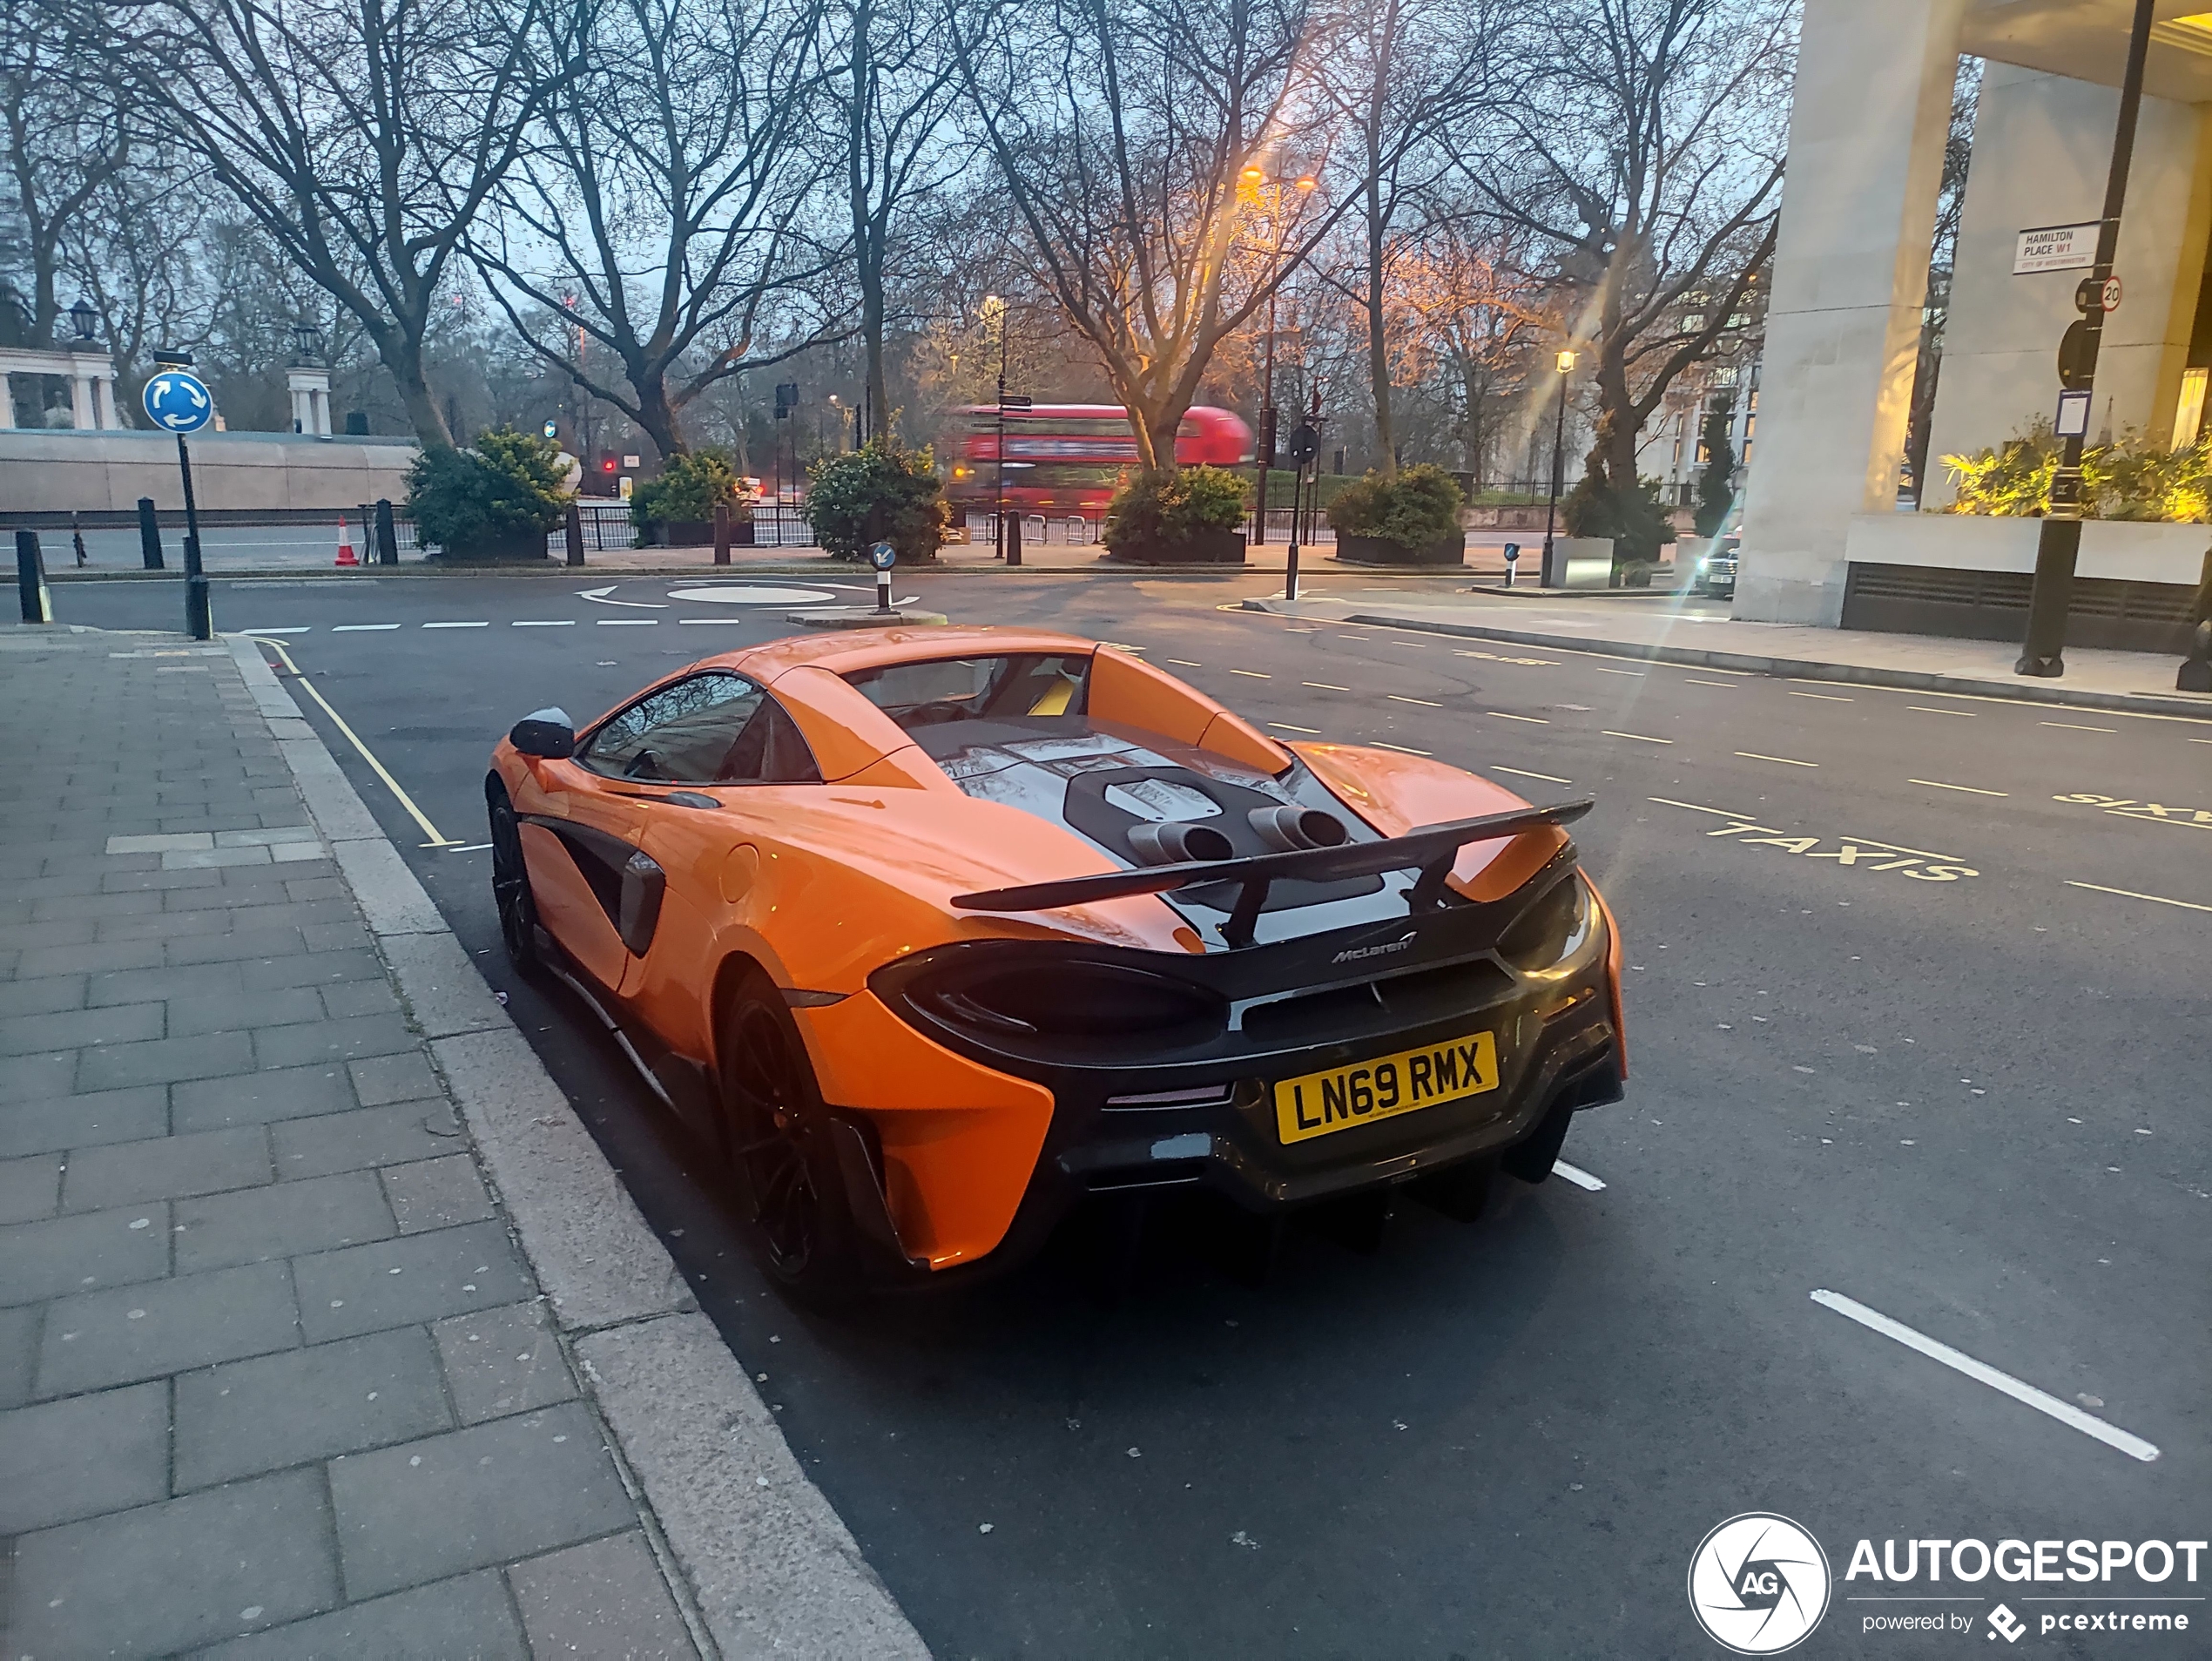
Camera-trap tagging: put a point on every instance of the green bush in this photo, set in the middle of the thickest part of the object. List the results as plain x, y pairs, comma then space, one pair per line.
509, 487
882, 492
688, 487
1420, 506
2127, 480
1152, 508
1633, 519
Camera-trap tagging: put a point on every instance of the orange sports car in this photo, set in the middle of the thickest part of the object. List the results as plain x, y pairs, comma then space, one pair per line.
938, 931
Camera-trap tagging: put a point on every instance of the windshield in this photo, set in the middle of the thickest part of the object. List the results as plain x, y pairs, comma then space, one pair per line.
967, 689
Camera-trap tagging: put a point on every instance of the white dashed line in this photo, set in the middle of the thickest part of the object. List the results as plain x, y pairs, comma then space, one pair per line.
456, 625
543, 623
1424, 703
2065, 1412
1285, 727
1725, 686
1938, 784
1251, 674
1603, 670
2075, 726
628, 622
1323, 687
1577, 1175
1534, 720
1186, 662
735, 619
363, 628
1752, 755
1718, 813
1403, 749
301, 630
1964, 714
1826, 698
1638, 736
1523, 772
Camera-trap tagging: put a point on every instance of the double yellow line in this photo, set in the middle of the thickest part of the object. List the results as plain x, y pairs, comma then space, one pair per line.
399, 794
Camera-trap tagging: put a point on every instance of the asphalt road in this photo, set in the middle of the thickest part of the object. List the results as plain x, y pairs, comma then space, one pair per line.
1904, 1025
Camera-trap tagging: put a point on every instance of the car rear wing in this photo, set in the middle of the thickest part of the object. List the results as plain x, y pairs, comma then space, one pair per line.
1432, 850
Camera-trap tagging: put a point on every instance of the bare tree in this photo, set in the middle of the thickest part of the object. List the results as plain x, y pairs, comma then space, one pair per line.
1403, 74
1463, 300
896, 88
666, 208
1645, 148
362, 136
66, 141
1122, 131
134, 255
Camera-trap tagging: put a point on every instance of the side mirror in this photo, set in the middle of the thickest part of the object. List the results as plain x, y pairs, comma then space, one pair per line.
546, 734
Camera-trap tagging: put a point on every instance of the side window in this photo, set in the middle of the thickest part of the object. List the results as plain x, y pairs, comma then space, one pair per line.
681, 734
770, 750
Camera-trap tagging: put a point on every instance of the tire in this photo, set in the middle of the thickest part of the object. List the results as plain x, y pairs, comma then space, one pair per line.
510, 884
780, 1151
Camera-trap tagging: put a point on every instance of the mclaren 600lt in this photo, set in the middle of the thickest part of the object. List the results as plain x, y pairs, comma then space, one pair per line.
937, 932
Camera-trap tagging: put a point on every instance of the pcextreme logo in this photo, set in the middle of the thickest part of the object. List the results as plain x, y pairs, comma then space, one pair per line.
1759, 1584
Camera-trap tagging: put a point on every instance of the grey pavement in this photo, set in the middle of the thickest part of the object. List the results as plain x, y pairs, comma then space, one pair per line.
1678, 629
276, 1376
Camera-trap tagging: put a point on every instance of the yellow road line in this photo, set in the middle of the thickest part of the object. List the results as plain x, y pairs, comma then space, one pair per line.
2159, 899
1898, 848
399, 794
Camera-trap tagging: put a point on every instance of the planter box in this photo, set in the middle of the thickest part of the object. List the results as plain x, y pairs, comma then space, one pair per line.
1382, 551
1217, 546
526, 549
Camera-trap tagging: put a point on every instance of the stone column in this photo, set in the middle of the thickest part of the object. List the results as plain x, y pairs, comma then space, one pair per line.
1867, 129
7, 402
84, 413
104, 403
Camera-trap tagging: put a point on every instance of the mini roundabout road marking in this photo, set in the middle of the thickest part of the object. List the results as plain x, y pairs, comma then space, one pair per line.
751, 594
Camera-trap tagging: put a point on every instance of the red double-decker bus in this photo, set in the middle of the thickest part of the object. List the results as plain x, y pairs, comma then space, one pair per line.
1070, 458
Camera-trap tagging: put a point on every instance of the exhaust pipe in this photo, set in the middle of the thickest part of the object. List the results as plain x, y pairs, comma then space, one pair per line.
1287, 829
1178, 841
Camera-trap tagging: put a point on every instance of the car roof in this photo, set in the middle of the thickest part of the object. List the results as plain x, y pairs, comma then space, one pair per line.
848, 651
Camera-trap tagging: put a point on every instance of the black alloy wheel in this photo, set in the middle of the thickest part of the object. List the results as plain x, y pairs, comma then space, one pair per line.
510, 884
779, 1150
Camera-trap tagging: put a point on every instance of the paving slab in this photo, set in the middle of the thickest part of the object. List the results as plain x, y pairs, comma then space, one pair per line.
95, 1339
419, 1277
499, 1361
60, 1255
280, 1220
603, 1598
167, 1167
469, 1614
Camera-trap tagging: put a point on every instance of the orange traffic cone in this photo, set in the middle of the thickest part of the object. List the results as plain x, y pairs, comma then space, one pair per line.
345, 555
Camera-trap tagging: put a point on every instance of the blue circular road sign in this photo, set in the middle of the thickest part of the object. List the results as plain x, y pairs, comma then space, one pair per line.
178, 403
883, 555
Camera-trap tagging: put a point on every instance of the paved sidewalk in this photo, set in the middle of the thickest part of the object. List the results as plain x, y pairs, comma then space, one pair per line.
1669, 631
281, 1373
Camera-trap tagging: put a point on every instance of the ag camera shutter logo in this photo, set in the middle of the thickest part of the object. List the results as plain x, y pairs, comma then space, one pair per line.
1759, 1584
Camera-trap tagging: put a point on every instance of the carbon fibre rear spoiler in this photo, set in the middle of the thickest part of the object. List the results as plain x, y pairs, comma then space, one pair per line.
1432, 850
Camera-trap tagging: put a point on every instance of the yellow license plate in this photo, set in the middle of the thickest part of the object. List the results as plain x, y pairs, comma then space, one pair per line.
1382, 1089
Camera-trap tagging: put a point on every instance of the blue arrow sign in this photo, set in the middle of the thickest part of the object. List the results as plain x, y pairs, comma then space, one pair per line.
178, 403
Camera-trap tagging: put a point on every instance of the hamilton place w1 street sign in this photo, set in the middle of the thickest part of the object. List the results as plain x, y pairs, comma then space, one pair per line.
178, 403
2056, 247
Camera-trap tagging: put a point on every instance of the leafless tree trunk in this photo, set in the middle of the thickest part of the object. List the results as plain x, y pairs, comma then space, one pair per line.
362, 136
1122, 131
661, 209
1646, 149
65, 141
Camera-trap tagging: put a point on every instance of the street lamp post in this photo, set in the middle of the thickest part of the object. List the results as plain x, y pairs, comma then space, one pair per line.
1262, 187
2058, 541
993, 303
1566, 364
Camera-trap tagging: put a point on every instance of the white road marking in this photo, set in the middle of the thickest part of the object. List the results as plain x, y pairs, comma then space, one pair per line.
628, 622
1826, 698
302, 630
1252, 674
714, 619
1424, 703
1938, 784
1964, 714
543, 623
2186, 905
1639, 738
1286, 727
1725, 686
1523, 772
362, 628
599, 595
1750, 755
1718, 813
1323, 687
1579, 1177
467, 848
2076, 726
1603, 670
456, 625
2065, 1412
1186, 662
1534, 720
1403, 749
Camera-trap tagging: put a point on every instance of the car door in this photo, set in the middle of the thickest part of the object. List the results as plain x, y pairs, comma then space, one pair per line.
598, 892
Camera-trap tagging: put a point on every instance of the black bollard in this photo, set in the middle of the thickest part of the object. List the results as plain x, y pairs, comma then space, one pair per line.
576, 534
387, 534
1014, 539
149, 534
31, 579
76, 538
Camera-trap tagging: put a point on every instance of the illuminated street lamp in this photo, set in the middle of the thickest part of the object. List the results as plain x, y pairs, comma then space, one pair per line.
1565, 365
995, 307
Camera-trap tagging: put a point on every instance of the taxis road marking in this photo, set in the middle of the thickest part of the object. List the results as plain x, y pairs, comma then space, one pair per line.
399, 794
2065, 1412
2154, 812
1854, 851
1938, 784
2129, 894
